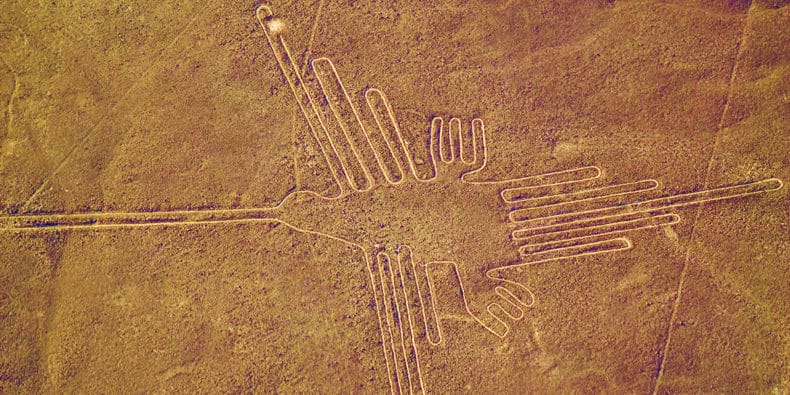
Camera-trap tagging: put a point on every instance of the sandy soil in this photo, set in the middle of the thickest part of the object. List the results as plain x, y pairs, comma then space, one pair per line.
139, 109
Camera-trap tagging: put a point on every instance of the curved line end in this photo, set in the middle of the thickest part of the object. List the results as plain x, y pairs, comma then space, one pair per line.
263, 8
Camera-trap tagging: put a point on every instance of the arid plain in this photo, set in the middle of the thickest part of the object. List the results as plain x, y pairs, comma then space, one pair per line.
189, 205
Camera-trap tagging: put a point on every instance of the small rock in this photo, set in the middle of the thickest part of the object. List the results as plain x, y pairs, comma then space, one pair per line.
276, 26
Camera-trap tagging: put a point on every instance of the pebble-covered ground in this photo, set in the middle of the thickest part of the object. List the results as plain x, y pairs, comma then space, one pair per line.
147, 106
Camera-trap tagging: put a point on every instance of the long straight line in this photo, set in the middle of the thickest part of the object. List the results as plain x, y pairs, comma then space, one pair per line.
708, 171
44, 362
305, 61
295, 152
311, 38
62, 163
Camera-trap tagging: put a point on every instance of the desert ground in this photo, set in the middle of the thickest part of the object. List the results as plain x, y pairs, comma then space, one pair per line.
489, 196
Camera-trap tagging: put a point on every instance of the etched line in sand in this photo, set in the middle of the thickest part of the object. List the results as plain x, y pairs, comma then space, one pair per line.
349, 142
558, 223
124, 98
272, 28
493, 317
399, 319
543, 241
663, 355
389, 136
311, 38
